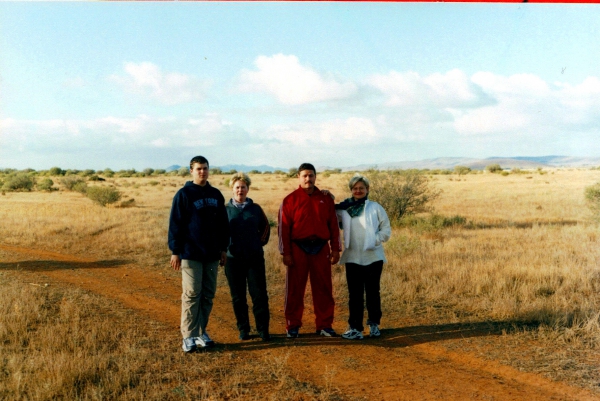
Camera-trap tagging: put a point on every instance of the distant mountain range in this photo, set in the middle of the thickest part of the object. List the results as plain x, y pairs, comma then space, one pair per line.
238, 167
443, 163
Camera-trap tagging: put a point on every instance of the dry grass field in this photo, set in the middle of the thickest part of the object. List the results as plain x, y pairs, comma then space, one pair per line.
502, 304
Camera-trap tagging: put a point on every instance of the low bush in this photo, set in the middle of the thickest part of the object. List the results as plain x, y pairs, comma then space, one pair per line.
494, 168
45, 185
18, 182
103, 195
592, 196
402, 193
73, 183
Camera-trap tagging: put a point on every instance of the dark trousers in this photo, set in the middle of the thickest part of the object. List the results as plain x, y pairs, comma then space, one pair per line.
248, 273
364, 280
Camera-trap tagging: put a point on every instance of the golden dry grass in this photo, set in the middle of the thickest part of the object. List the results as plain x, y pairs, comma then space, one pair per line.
528, 255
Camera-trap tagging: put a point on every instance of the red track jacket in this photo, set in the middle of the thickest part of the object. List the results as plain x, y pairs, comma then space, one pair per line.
307, 217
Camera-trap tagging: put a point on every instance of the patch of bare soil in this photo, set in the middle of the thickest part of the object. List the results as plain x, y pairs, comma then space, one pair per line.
404, 364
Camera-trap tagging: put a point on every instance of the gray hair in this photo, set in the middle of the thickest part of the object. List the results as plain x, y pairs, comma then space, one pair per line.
358, 178
239, 177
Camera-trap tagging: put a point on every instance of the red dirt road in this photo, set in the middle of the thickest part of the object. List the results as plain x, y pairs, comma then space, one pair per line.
405, 364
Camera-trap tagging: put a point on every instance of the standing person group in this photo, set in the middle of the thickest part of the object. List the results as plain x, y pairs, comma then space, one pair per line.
205, 232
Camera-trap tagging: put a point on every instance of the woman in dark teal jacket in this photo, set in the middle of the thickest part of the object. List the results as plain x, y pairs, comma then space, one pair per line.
250, 231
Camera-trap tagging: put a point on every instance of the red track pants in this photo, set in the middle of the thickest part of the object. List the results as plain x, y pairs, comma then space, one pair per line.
318, 268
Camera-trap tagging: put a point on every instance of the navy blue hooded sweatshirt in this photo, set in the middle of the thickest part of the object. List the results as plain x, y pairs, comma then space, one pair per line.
198, 227
249, 228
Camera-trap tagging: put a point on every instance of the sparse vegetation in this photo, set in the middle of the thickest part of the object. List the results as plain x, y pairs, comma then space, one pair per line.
493, 168
18, 182
402, 193
103, 195
74, 183
462, 170
515, 252
45, 184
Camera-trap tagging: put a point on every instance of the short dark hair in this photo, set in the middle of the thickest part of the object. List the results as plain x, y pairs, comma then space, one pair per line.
307, 166
199, 160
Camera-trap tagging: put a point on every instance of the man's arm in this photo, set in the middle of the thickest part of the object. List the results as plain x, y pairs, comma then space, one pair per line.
285, 242
176, 229
224, 230
334, 234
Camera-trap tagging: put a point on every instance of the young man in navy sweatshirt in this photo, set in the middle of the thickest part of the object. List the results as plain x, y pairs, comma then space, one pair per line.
198, 240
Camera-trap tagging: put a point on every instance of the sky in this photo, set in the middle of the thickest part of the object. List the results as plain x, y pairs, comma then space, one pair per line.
152, 84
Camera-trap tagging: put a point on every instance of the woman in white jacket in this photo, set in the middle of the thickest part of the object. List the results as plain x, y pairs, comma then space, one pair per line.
366, 226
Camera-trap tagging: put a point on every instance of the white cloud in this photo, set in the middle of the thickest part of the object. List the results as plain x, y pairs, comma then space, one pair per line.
450, 90
148, 79
291, 82
529, 106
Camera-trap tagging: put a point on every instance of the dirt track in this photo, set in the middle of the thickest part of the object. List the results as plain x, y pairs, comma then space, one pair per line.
405, 364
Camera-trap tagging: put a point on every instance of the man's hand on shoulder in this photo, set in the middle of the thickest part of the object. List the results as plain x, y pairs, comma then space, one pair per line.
328, 192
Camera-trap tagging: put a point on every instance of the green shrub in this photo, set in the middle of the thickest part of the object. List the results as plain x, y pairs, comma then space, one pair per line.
494, 168
592, 196
462, 170
402, 193
103, 195
183, 171
18, 182
73, 183
45, 185
54, 171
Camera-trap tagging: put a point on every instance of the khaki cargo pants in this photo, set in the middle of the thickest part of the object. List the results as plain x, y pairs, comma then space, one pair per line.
199, 282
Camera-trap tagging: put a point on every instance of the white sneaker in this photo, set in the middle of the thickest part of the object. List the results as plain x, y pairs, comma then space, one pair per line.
200, 342
352, 334
208, 342
189, 345
374, 330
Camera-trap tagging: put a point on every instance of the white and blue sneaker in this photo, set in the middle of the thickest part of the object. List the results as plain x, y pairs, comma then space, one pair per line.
352, 334
205, 338
200, 343
189, 345
374, 330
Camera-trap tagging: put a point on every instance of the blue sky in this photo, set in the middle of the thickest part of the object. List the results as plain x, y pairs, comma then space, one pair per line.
135, 85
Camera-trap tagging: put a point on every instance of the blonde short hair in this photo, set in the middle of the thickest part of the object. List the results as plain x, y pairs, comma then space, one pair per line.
239, 177
358, 178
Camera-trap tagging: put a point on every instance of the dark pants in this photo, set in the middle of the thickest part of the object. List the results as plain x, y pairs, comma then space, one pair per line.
250, 273
364, 280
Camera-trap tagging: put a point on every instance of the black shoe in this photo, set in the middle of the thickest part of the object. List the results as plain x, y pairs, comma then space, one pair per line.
293, 332
265, 336
244, 335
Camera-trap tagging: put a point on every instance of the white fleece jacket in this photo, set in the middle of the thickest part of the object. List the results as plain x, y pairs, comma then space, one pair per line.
364, 234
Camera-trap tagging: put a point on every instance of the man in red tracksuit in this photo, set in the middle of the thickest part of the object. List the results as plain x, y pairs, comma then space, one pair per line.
309, 240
